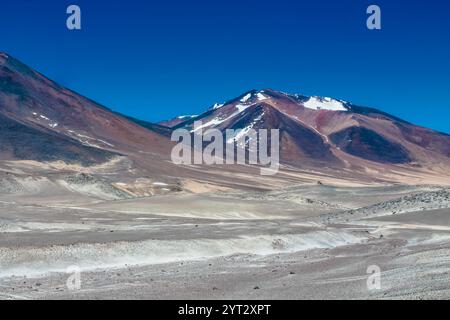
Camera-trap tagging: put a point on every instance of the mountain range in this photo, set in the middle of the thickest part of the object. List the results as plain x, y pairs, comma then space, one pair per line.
320, 138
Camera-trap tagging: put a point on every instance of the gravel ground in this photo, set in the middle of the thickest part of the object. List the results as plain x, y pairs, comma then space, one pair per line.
270, 246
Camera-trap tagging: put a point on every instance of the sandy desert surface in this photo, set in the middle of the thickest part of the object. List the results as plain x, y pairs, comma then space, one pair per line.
300, 242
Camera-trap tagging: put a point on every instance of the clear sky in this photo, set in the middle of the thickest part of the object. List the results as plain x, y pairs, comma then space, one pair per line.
158, 59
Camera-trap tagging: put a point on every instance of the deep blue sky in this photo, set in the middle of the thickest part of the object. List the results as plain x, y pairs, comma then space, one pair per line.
158, 59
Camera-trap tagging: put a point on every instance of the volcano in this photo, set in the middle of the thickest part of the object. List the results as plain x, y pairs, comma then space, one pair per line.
322, 131
321, 137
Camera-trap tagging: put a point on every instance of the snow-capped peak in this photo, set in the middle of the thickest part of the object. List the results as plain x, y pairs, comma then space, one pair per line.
318, 103
259, 96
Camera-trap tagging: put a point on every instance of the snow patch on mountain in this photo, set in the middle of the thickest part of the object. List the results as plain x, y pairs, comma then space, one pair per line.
51, 124
217, 106
246, 97
261, 97
214, 122
218, 120
239, 134
317, 103
88, 141
242, 107
187, 117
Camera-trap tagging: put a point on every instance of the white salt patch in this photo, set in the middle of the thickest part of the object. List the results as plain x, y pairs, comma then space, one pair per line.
160, 184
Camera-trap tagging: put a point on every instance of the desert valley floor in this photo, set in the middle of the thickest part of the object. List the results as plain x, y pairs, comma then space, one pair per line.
301, 242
